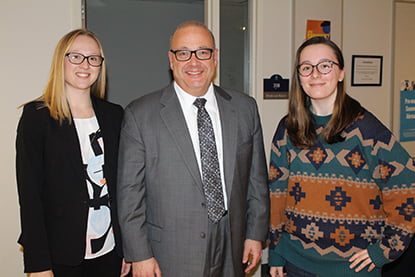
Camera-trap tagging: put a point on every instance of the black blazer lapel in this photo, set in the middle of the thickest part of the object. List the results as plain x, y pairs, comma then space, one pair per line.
109, 120
69, 136
109, 132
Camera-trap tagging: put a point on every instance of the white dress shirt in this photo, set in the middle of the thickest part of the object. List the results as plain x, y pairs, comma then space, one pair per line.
190, 114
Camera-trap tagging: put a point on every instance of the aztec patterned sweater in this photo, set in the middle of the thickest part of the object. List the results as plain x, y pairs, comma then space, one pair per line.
334, 200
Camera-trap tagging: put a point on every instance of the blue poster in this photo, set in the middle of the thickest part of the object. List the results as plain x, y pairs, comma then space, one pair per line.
407, 118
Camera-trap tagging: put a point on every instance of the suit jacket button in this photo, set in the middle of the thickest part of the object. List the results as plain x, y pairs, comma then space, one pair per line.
204, 205
202, 235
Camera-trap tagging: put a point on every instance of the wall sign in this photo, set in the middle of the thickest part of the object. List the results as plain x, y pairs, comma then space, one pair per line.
366, 70
318, 28
276, 87
407, 117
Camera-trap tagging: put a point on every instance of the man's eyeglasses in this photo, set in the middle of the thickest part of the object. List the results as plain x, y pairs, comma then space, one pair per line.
185, 55
78, 58
324, 67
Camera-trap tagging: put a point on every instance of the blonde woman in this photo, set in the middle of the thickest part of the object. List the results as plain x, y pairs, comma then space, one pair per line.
67, 144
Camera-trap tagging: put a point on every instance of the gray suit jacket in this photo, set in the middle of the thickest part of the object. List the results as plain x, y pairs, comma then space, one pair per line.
162, 209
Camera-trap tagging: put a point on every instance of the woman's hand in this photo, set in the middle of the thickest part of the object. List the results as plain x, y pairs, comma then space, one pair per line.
363, 259
277, 271
125, 268
47, 273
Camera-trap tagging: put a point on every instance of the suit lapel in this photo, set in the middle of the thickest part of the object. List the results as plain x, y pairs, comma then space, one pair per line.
229, 122
172, 115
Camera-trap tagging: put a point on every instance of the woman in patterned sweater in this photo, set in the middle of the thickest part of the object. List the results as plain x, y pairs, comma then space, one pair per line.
342, 187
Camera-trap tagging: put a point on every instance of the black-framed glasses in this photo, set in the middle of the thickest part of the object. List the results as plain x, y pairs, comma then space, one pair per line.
185, 55
324, 67
78, 58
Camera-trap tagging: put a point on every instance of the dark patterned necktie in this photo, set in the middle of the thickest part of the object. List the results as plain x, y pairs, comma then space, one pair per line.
212, 185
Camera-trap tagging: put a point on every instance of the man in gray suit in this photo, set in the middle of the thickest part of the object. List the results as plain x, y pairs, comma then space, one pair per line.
170, 222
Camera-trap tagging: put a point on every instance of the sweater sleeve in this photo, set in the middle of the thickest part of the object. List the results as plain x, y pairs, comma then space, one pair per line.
278, 183
394, 172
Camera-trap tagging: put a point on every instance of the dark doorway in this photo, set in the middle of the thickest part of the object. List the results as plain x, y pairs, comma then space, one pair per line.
135, 35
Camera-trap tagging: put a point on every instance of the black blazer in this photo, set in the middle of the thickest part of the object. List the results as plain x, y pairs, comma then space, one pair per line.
52, 191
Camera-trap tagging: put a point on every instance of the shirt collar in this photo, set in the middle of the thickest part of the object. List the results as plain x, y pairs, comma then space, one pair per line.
188, 99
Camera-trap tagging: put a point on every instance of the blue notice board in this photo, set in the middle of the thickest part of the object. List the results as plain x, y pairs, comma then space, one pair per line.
407, 117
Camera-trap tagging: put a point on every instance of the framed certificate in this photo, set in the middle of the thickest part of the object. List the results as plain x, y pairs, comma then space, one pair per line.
366, 70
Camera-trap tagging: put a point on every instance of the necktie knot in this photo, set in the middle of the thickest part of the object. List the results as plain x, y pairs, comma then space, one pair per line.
200, 103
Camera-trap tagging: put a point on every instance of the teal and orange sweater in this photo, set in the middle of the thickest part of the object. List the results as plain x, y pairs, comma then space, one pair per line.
334, 200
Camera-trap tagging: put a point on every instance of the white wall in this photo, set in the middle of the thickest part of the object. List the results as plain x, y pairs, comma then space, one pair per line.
368, 31
272, 48
29, 32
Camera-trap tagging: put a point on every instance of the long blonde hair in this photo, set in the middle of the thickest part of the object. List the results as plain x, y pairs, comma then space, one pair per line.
54, 96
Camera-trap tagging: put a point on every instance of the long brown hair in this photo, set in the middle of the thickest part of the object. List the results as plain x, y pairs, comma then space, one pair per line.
300, 122
54, 96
